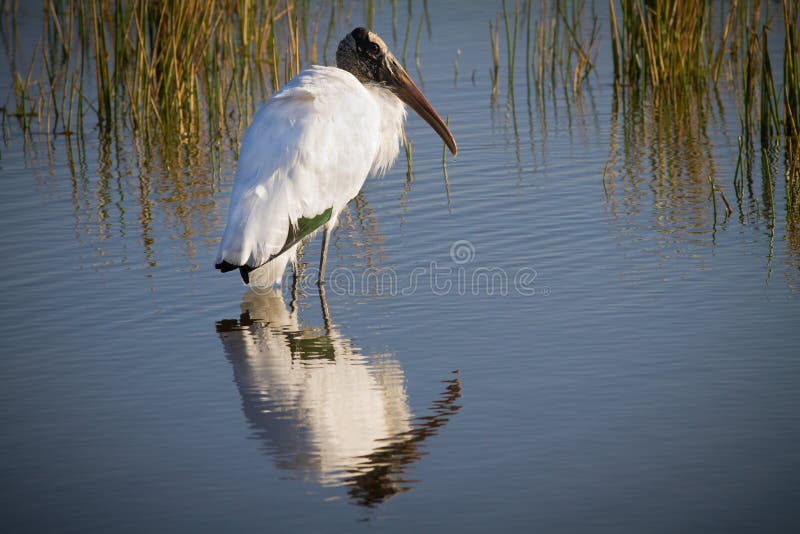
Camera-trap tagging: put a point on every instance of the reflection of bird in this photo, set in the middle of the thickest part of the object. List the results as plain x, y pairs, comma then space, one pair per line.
322, 409
309, 393
309, 150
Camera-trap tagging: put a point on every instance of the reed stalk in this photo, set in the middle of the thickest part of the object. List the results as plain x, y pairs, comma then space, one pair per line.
791, 72
408, 32
511, 42
444, 165
494, 72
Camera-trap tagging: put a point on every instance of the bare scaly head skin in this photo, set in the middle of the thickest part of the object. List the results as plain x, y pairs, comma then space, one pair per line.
365, 55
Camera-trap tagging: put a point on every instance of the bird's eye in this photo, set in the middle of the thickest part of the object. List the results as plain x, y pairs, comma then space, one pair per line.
373, 48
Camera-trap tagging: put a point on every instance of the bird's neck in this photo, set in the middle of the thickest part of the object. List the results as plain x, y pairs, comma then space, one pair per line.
393, 114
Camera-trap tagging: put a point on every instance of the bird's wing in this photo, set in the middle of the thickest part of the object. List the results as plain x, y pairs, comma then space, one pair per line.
306, 154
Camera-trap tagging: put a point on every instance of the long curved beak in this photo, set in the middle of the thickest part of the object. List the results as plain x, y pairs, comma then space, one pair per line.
409, 93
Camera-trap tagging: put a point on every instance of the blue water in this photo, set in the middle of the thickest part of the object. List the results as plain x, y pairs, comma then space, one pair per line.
531, 345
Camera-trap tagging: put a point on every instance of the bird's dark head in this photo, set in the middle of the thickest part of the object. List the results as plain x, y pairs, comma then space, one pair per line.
364, 55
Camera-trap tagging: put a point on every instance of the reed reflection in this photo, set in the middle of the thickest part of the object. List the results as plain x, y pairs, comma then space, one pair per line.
661, 155
323, 410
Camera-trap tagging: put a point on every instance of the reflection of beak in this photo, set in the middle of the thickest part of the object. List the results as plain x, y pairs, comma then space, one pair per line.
409, 93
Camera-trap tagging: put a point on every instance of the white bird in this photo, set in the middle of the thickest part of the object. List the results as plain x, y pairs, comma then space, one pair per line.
309, 150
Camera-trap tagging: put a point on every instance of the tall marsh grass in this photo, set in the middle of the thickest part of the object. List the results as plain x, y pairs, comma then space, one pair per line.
661, 43
172, 66
677, 50
560, 47
561, 43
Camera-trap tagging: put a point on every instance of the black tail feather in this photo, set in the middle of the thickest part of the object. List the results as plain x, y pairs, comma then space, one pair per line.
225, 267
244, 270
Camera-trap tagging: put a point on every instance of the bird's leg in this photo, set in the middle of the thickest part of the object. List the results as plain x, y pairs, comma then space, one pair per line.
323, 300
323, 255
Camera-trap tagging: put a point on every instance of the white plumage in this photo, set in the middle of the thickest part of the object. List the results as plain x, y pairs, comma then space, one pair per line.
310, 148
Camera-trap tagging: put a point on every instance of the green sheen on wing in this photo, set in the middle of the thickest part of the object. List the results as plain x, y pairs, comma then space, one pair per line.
304, 227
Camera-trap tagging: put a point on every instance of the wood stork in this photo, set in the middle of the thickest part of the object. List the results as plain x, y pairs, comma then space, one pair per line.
309, 150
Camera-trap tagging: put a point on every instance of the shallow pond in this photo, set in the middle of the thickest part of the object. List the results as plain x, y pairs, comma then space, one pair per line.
563, 336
